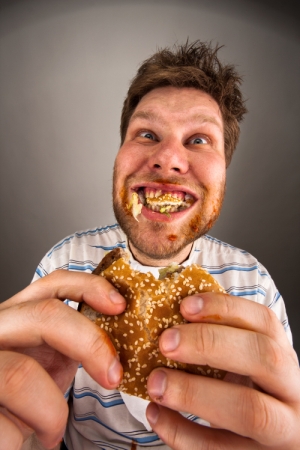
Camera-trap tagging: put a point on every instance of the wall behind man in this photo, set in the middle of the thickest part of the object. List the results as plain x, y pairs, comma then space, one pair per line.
65, 69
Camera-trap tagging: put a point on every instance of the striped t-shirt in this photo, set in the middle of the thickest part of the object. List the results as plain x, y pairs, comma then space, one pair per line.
103, 419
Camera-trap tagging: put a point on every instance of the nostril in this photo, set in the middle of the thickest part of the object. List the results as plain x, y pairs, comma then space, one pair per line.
176, 169
157, 166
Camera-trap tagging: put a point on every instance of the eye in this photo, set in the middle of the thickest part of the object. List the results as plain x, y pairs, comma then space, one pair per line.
148, 135
198, 140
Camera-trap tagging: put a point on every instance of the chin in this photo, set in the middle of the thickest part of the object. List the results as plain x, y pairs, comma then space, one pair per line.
162, 239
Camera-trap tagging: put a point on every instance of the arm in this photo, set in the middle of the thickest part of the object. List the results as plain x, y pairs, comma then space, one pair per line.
241, 337
42, 341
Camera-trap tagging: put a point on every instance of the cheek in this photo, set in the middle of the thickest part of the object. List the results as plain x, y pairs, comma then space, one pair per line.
128, 161
211, 171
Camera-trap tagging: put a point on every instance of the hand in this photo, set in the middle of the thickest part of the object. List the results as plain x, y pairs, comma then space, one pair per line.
241, 337
42, 341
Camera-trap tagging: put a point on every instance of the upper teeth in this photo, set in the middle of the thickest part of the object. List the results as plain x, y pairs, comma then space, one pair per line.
157, 199
165, 199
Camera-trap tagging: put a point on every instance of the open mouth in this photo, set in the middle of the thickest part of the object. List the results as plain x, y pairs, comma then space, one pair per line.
164, 201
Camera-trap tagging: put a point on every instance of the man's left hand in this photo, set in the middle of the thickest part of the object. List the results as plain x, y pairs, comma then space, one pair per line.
261, 411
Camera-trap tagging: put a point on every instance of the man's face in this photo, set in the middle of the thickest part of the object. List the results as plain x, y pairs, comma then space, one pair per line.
173, 158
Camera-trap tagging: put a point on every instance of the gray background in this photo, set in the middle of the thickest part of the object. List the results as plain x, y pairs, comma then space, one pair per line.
65, 69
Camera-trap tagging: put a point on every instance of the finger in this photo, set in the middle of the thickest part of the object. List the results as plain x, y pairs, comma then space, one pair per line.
264, 360
237, 408
235, 312
32, 324
182, 434
62, 284
11, 436
25, 390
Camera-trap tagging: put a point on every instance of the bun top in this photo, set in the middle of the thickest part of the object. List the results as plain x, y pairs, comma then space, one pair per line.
152, 306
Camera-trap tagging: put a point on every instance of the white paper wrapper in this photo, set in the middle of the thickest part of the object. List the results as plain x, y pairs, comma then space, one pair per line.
137, 407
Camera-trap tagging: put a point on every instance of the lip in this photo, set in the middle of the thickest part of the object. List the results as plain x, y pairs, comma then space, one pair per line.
167, 187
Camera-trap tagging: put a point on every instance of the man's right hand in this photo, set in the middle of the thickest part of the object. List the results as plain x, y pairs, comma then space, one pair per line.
42, 341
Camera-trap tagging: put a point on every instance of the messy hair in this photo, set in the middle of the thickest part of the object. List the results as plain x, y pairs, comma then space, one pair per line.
194, 65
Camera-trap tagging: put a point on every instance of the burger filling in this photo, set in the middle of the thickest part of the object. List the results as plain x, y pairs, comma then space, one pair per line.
164, 201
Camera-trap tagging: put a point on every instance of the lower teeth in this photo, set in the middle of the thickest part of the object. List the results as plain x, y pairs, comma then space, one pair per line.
164, 209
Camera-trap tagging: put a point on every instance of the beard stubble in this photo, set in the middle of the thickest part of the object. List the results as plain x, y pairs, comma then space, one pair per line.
157, 240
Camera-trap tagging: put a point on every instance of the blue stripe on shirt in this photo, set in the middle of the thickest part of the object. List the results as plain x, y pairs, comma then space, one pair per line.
140, 440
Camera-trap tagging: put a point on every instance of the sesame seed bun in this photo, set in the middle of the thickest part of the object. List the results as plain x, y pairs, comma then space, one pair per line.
152, 306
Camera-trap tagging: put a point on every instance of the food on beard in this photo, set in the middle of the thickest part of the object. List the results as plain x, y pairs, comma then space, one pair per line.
135, 206
152, 306
159, 200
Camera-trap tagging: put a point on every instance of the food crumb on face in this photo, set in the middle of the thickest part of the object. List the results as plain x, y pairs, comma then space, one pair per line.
135, 206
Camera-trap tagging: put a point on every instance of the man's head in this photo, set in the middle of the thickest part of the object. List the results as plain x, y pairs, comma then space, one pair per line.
191, 65
176, 122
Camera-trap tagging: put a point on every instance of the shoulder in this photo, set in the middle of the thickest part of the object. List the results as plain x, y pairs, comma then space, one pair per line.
212, 249
107, 237
82, 250
241, 274
237, 270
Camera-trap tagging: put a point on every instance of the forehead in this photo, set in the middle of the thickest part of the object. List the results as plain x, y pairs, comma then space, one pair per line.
182, 104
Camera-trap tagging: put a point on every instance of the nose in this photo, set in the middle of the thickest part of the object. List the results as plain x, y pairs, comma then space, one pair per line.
169, 157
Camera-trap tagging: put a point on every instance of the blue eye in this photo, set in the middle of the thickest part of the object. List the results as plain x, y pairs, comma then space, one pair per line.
199, 140
148, 135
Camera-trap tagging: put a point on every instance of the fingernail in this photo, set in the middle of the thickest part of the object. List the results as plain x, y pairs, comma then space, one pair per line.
193, 305
157, 384
152, 413
114, 372
170, 340
115, 297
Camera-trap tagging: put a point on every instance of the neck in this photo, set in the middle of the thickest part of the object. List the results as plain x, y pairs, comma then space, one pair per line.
146, 260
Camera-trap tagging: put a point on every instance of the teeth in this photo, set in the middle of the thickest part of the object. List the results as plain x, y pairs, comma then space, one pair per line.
163, 201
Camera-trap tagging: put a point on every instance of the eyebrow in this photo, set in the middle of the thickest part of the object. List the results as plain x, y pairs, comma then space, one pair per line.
153, 117
148, 115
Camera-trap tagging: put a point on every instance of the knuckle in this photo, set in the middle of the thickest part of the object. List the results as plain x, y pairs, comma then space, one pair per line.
271, 356
205, 339
228, 305
260, 416
186, 392
46, 310
270, 321
99, 342
16, 373
253, 411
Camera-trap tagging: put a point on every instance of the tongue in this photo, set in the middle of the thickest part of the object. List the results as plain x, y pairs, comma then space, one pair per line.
158, 192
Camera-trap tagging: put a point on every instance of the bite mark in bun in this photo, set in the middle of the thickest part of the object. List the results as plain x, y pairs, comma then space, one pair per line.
152, 306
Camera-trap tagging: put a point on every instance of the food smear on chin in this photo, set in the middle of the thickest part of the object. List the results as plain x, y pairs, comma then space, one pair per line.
165, 202
135, 206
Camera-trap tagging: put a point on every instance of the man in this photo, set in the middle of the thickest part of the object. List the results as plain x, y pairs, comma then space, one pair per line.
179, 128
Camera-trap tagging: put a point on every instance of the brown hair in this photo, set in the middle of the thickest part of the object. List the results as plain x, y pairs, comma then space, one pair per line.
193, 65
